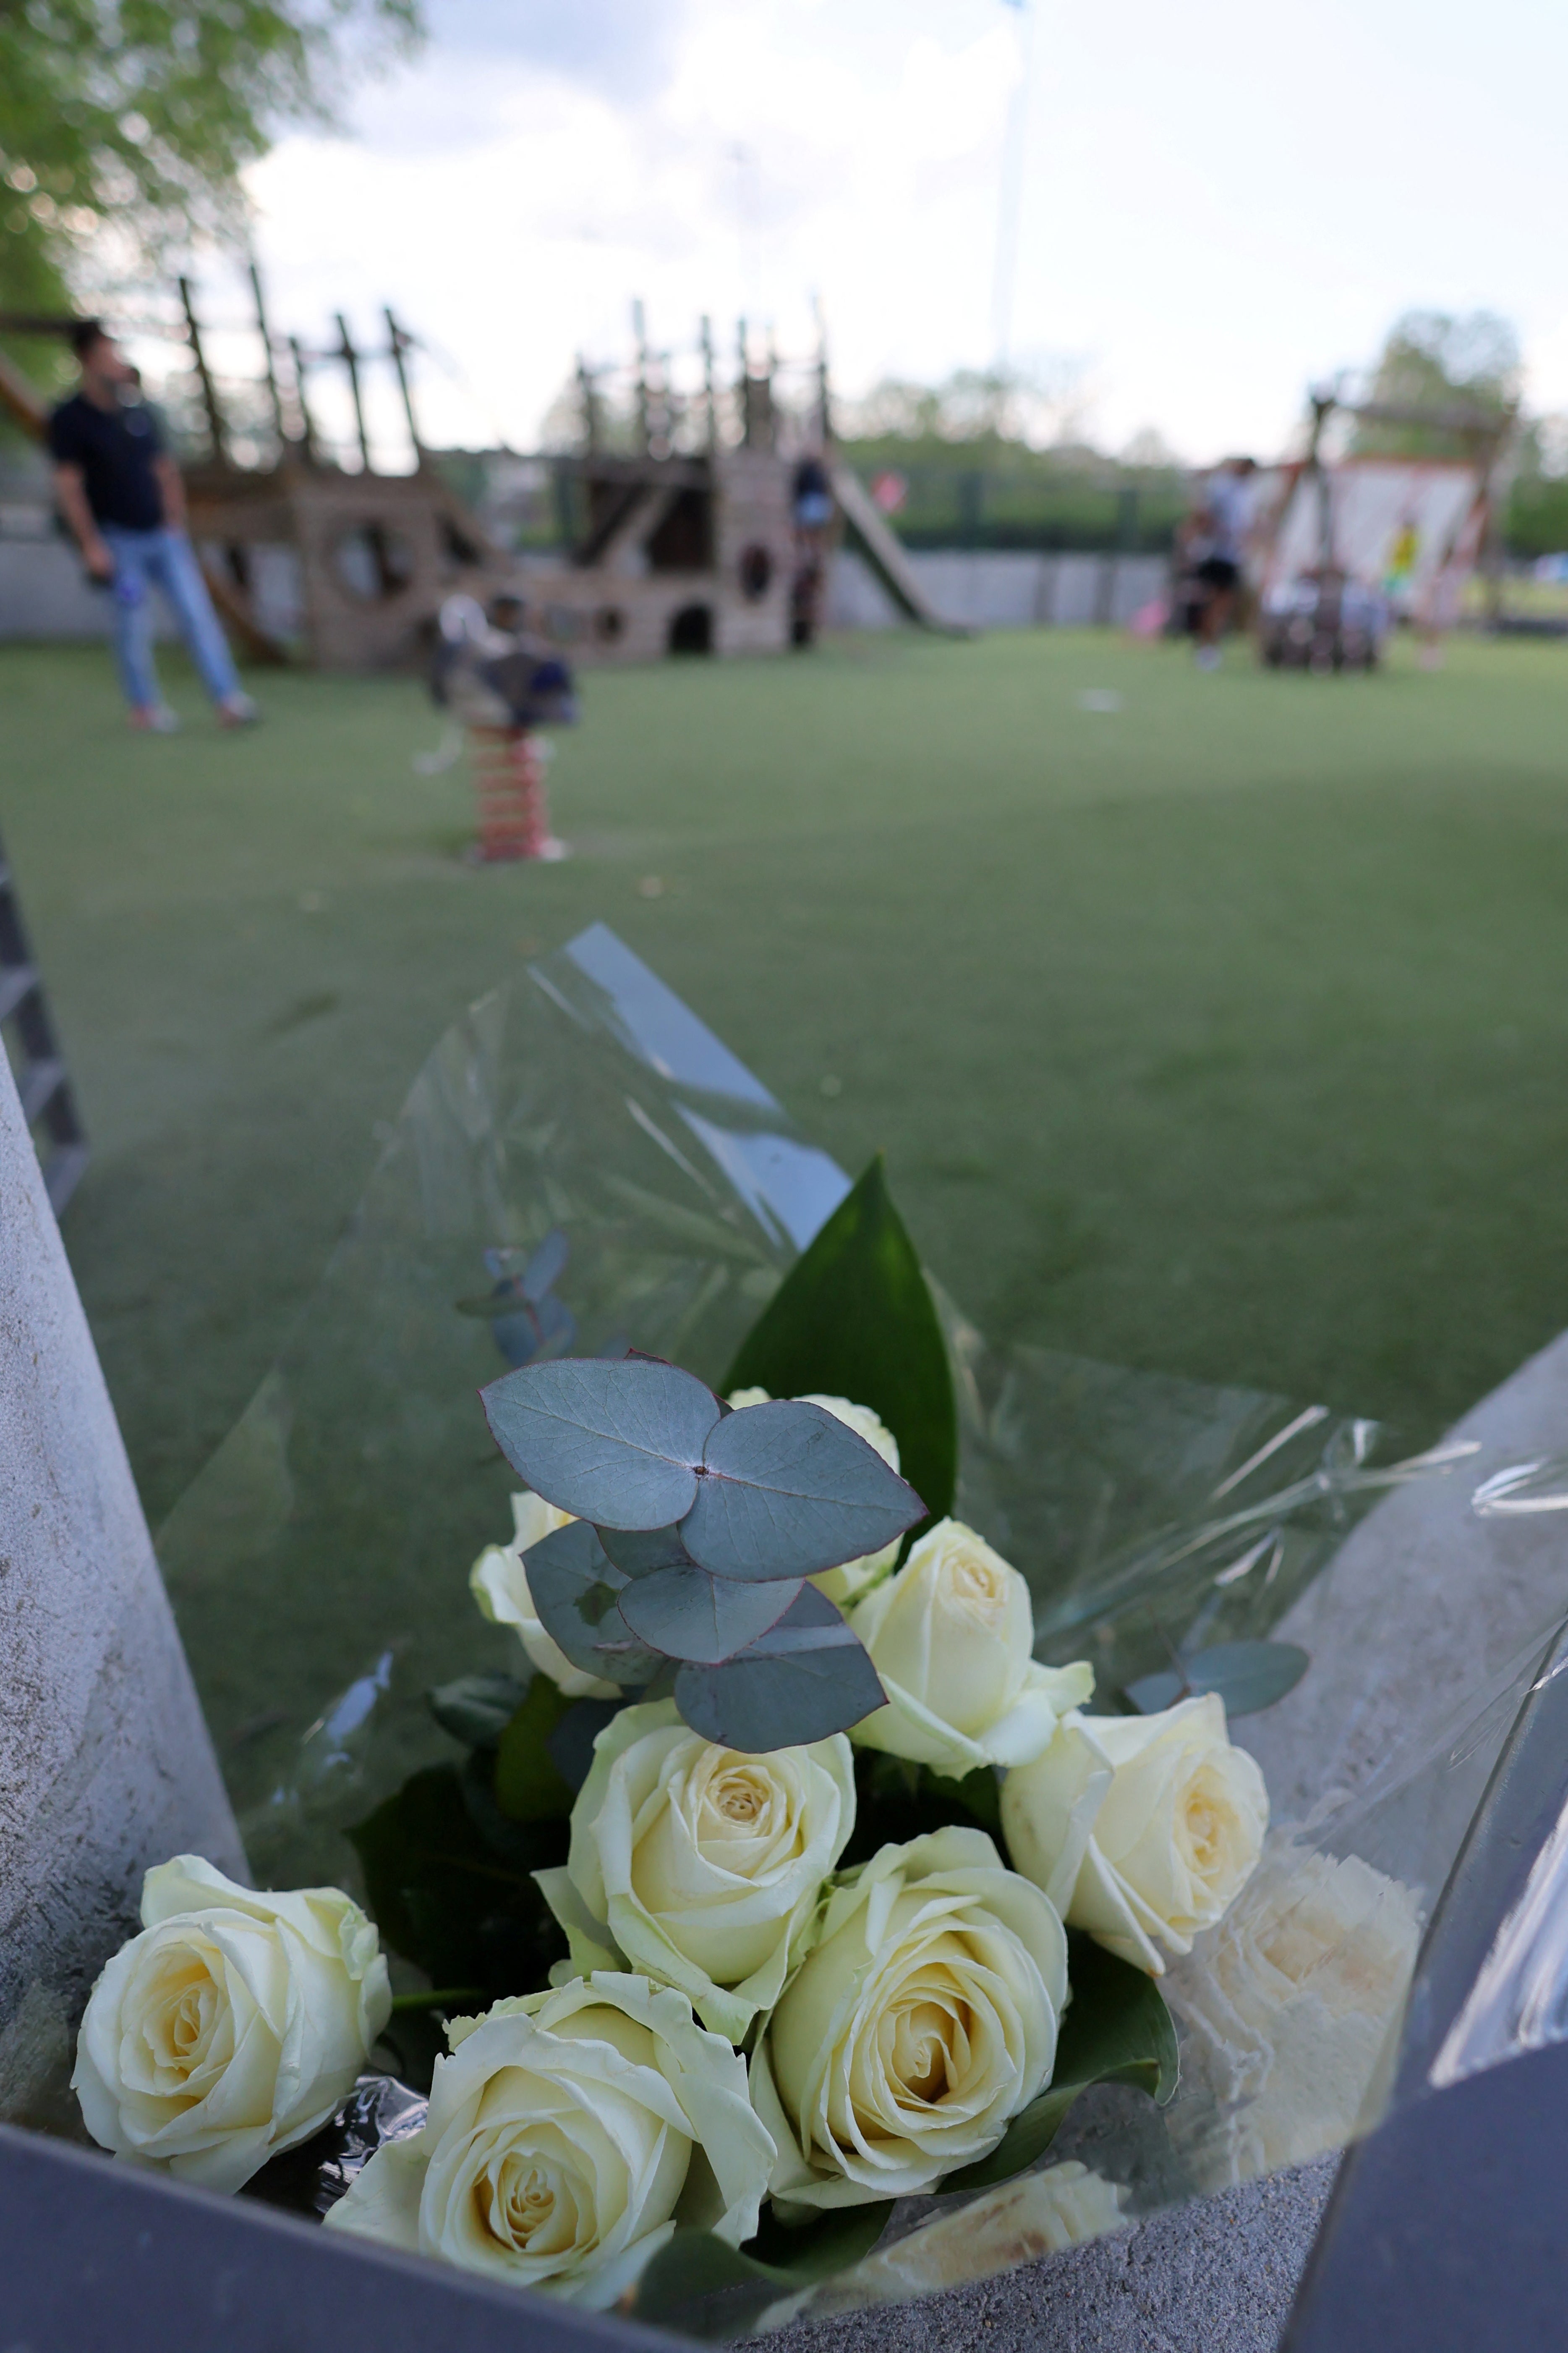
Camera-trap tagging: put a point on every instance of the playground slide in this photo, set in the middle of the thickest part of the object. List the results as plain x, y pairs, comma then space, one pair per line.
886, 555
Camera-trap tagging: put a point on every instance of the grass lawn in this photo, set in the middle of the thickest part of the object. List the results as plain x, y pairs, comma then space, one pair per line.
1225, 1033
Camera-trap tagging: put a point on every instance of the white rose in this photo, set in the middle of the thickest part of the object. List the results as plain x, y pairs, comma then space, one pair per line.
1141, 1829
923, 2020
952, 1637
499, 1583
232, 2027
558, 2150
699, 1866
852, 1578
1289, 2008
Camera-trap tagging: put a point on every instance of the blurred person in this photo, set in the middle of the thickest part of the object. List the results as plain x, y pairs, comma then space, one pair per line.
1219, 544
122, 495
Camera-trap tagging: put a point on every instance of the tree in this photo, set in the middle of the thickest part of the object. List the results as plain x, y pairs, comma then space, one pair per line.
125, 125
1432, 360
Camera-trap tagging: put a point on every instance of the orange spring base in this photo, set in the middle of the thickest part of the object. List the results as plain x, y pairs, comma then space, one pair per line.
513, 811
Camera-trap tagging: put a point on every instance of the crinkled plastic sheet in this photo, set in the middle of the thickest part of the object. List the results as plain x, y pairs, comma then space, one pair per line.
581, 1165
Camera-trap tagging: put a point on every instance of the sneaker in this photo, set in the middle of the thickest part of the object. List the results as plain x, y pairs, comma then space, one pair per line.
237, 710
154, 718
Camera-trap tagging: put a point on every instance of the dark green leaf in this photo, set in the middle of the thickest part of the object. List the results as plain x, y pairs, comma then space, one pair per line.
895, 1801
807, 1678
684, 1613
445, 1899
854, 1318
1248, 1677
475, 1709
529, 1785
575, 1587
787, 1490
1117, 2030
616, 1440
714, 2291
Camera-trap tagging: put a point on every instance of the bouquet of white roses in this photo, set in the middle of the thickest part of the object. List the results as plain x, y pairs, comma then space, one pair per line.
810, 1887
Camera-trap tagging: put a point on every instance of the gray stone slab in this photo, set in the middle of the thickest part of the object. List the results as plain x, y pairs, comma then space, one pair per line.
105, 1763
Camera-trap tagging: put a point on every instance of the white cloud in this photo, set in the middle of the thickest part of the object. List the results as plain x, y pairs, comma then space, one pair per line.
1213, 210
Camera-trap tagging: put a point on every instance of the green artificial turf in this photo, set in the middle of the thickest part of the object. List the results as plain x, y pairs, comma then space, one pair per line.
1225, 1033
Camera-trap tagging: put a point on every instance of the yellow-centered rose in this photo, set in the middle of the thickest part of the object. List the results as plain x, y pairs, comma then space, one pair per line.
853, 1578
1141, 1829
952, 1637
232, 2027
568, 2135
699, 1865
923, 2019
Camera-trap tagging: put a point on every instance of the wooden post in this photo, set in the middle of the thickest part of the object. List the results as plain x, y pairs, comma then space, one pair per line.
400, 344
350, 358
273, 391
640, 328
209, 392
307, 423
710, 390
745, 383
590, 407
824, 393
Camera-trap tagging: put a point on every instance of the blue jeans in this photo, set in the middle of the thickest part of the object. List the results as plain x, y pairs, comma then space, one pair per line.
144, 559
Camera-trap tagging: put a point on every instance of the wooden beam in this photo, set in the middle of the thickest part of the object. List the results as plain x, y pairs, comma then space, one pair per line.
274, 392
401, 345
350, 358
210, 390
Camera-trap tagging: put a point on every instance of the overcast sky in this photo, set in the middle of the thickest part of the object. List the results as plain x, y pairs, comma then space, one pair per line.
1218, 202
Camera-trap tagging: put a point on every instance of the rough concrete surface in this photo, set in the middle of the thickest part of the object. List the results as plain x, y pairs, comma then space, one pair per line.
105, 1763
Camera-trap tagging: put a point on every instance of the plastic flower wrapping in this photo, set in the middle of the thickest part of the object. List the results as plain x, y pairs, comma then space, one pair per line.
828, 1809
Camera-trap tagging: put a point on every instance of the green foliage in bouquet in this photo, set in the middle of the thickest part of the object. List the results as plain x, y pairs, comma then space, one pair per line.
695, 1529
854, 1317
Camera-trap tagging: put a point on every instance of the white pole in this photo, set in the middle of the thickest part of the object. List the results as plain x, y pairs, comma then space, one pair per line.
105, 1763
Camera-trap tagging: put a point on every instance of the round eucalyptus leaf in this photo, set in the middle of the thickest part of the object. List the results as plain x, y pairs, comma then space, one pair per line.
687, 1614
787, 1490
1248, 1677
638, 1552
805, 1678
575, 1587
615, 1440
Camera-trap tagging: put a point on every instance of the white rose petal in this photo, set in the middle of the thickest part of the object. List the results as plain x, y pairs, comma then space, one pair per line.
559, 2148
232, 2027
1290, 2010
853, 1578
1140, 1828
699, 1865
923, 2020
952, 1637
499, 1583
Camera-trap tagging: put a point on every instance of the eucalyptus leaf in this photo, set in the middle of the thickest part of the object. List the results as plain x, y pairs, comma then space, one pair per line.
616, 1440
685, 1613
854, 1317
715, 2292
575, 1587
1248, 1677
1116, 2029
529, 1785
475, 1709
805, 1678
638, 1552
788, 1489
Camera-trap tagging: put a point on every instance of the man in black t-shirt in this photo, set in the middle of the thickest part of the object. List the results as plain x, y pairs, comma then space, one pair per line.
121, 494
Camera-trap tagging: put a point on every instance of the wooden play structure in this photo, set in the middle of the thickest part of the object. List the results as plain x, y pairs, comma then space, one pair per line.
682, 525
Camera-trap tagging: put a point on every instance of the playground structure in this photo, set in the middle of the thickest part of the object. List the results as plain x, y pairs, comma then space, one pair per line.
678, 507
1351, 546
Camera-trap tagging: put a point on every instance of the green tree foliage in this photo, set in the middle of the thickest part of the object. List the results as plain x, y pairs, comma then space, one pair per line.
1434, 361
125, 125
